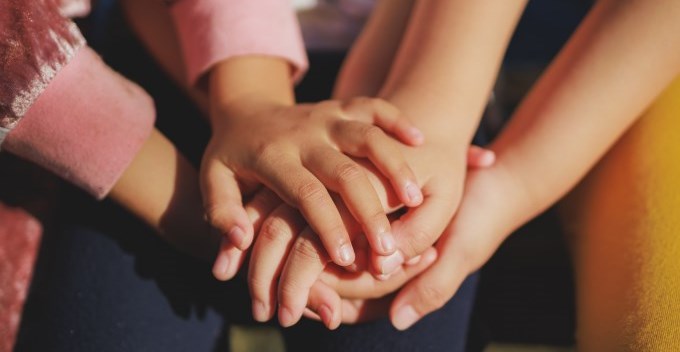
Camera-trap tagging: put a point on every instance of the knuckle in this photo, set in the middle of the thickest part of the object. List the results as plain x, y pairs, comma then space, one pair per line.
307, 251
417, 242
372, 134
291, 288
274, 230
215, 215
377, 217
432, 296
403, 170
259, 287
310, 192
347, 173
267, 153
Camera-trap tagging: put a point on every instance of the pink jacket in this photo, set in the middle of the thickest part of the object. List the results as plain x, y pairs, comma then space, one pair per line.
62, 108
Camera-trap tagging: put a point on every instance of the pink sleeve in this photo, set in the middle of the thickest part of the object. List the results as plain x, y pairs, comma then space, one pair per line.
211, 31
87, 126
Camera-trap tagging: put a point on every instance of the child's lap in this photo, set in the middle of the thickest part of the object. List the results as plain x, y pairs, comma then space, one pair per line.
104, 282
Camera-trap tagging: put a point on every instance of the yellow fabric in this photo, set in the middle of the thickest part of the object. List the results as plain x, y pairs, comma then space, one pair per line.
624, 223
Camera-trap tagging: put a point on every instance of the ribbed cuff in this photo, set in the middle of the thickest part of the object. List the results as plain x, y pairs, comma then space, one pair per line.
87, 126
211, 31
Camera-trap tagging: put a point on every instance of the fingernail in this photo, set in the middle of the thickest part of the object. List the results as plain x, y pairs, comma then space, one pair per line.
413, 192
416, 134
346, 254
488, 158
221, 267
260, 311
415, 260
285, 317
405, 317
391, 263
326, 315
352, 268
387, 242
383, 277
237, 236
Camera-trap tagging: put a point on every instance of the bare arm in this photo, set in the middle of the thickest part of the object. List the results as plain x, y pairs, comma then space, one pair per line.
447, 63
161, 188
622, 57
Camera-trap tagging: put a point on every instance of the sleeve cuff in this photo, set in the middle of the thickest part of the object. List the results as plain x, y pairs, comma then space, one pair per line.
211, 31
87, 126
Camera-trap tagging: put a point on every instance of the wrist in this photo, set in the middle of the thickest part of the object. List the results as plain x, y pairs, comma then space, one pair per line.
239, 85
439, 120
515, 190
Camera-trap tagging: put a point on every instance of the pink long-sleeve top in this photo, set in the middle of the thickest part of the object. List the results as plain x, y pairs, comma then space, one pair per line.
63, 108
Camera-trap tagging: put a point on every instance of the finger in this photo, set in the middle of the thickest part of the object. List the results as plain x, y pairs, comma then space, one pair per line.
300, 188
260, 206
478, 157
274, 240
419, 228
342, 175
388, 117
363, 140
427, 292
306, 261
358, 311
228, 262
326, 304
223, 203
230, 258
365, 286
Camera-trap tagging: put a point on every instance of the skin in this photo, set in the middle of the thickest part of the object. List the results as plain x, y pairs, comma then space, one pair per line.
247, 94
427, 70
265, 202
629, 49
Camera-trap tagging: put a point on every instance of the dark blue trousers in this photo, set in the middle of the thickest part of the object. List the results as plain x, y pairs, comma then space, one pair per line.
105, 282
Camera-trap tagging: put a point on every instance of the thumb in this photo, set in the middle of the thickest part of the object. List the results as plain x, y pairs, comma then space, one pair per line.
223, 204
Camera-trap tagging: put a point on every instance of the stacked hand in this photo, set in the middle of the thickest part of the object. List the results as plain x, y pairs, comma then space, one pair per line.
291, 264
303, 153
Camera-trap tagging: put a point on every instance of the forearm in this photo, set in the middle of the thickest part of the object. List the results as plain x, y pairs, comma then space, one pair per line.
617, 62
364, 71
447, 63
248, 79
161, 188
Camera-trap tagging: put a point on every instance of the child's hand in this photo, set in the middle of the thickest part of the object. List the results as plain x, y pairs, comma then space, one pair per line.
492, 207
299, 259
301, 153
343, 297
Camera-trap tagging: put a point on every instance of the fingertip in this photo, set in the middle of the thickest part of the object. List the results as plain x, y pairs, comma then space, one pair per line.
239, 238
286, 317
260, 311
345, 255
404, 317
222, 263
383, 243
429, 257
488, 158
414, 196
326, 315
415, 136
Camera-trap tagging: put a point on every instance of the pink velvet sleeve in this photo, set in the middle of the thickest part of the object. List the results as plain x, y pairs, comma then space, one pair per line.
211, 31
86, 126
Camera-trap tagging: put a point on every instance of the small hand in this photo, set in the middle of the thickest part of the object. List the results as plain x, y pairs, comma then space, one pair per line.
299, 259
301, 153
489, 212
